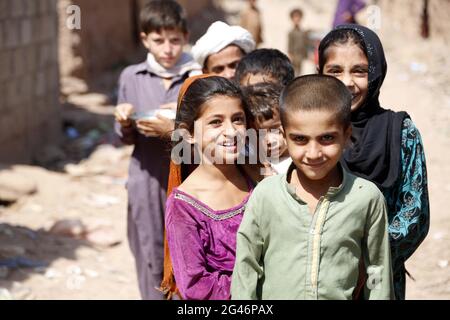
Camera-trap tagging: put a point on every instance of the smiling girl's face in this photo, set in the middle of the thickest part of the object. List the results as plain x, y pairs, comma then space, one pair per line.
349, 64
220, 129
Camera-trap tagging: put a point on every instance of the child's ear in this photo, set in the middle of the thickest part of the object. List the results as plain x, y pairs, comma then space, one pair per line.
186, 37
187, 136
144, 39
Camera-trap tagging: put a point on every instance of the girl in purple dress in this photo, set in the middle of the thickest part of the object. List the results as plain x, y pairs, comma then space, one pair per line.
204, 212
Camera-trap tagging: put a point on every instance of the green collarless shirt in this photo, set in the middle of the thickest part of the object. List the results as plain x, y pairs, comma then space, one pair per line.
285, 252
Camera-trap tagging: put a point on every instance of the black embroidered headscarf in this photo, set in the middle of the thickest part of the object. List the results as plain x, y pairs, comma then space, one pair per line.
376, 137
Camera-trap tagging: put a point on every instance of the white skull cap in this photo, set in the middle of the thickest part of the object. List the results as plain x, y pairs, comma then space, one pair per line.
218, 36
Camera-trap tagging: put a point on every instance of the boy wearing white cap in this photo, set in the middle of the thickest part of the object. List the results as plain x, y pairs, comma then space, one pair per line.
221, 48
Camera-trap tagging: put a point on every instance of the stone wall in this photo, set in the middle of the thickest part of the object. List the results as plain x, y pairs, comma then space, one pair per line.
29, 83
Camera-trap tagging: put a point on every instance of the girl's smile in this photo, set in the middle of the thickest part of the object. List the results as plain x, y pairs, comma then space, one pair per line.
349, 64
220, 129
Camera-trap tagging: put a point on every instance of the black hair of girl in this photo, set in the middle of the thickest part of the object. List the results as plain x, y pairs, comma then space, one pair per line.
199, 92
339, 37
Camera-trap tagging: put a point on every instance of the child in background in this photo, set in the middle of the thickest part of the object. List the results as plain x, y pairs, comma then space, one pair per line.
297, 41
204, 212
250, 19
263, 102
386, 146
264, 65
346, 11
304, 232
144, 87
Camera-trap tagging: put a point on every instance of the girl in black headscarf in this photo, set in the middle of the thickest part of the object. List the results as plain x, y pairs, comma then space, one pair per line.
386, 146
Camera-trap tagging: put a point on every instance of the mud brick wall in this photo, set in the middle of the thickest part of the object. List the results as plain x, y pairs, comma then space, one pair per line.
29, 83
106, 38
109, 33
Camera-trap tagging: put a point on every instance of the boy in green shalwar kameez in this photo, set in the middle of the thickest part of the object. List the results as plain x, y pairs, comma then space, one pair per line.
304, 233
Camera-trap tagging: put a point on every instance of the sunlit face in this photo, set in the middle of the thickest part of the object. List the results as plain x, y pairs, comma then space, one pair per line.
254, 78
166, 46
296, 19
273, 140
315, 140
221, 130
224, 62
349, 64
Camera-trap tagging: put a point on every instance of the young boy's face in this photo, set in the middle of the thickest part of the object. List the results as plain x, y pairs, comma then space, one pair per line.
166, 45
273, 141
224, 62
296, 19
315, 140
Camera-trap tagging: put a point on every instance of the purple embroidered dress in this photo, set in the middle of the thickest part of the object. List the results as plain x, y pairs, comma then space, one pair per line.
202, 244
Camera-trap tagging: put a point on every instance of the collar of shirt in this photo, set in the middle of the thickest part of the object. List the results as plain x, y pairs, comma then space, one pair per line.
332, 191
143, 68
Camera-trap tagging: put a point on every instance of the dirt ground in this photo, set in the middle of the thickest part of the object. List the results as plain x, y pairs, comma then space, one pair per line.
94, 192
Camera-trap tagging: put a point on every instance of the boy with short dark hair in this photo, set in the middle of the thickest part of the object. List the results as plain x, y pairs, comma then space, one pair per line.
305, 233
145, 88
264, 65
263, 103
297, 41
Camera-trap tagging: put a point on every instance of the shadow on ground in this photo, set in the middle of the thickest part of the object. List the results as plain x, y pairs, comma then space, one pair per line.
24, 252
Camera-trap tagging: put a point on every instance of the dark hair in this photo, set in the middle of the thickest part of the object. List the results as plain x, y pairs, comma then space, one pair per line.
339, 37
271, 62
316, 92
296, 11
162, 14
262, 99
199, 92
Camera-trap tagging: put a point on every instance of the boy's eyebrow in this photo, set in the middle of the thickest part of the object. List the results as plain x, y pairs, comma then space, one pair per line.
329, 133
294, 134
333, 66
297, 135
